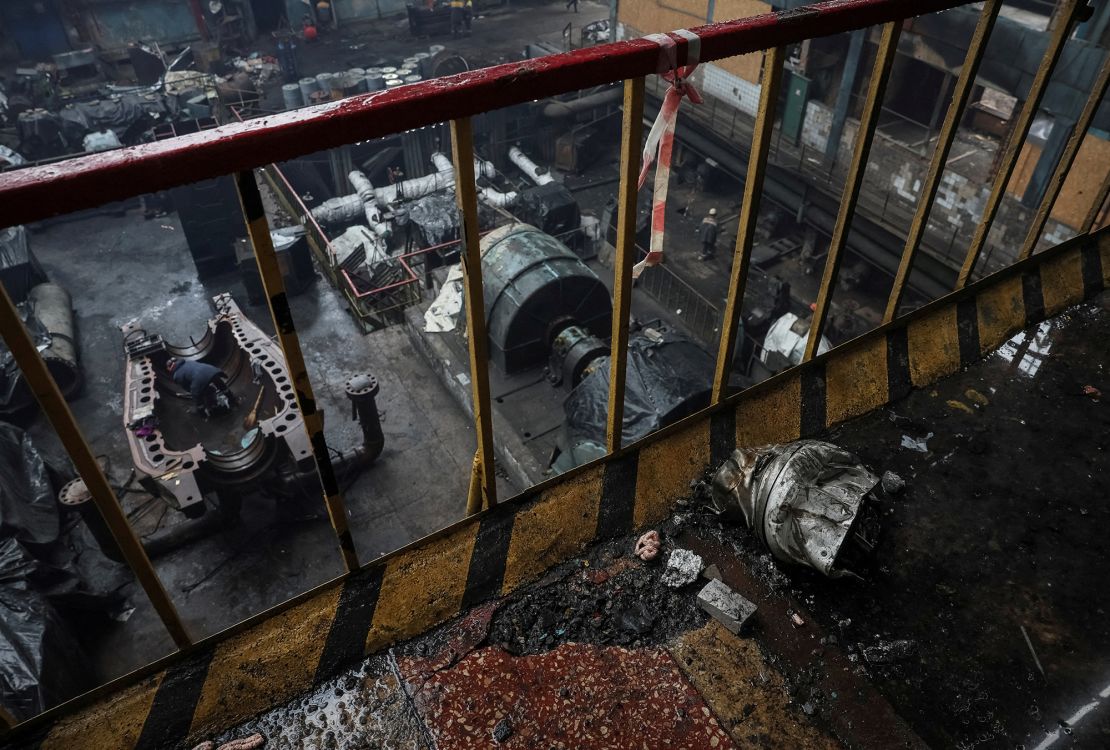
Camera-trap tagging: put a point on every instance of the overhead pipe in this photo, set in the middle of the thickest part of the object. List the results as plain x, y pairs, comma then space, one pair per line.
536, 173
349, 208
488, 195
560, 109
365, 190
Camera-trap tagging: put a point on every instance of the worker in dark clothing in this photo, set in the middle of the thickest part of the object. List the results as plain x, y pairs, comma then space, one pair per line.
708, 232
206, 384
458, 13
573, 3
468, 12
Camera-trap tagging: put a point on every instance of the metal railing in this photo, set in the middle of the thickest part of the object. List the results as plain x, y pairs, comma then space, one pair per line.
40, 192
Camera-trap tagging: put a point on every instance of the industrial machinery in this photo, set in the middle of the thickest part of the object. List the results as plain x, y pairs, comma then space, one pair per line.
183, 458
535, 288
669, 377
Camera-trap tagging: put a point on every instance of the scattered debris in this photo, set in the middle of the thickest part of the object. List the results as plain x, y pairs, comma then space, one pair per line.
1090, 390
959, 405
712, 573
683, 567
647, 546
1036, 661
725, 605
636, 619
803, 500
914, 444
245, 743
503, 730
888, 652
977, 397
796, 619
892, 483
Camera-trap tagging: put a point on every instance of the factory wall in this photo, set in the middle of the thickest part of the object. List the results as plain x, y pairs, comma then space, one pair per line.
1082, 184
653, 16
113, 24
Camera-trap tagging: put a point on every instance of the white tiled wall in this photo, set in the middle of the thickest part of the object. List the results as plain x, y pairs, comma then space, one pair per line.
729, 88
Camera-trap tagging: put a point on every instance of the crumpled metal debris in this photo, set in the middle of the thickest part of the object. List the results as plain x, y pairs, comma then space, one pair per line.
887, 652
801, 499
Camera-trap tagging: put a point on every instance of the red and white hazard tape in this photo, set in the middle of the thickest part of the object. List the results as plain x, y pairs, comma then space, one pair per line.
660, 138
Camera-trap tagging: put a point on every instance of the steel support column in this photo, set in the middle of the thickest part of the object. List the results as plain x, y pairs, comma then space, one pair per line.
1008, 162
632, 129
258, 228
960, 95
483, 484
872, 110
57, 411
749, 213
1071, 150
844, 94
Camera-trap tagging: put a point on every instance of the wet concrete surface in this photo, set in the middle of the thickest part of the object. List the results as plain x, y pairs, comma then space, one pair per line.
142, 269
1000, 529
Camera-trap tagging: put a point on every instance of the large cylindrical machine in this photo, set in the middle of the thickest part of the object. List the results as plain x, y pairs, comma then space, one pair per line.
535, 286
669, 377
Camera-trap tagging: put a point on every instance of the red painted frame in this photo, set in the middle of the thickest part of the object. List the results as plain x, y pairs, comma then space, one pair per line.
41, 192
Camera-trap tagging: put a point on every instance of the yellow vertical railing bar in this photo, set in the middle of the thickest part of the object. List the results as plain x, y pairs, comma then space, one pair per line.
947, 136
54, 406
872, 109
483, 483
749, 212
632, 132
1096, 206
1059, 37
1071, 150
258, 229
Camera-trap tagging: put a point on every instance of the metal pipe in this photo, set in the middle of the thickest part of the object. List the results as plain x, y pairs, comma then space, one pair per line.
54, 309
625, 257
365, 190
560, 109
462, 146
497, 199
876, 88
947, 136
53, 404
749, 213
250, 201
1008, 158
1071, 150
535, 173
362, 391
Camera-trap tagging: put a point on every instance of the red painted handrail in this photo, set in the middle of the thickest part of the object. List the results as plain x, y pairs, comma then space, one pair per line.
85, 182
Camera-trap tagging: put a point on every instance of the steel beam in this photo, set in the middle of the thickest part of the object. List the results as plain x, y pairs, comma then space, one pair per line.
770, 82
483, 481
872, 111
1008, 160
57, 411
947, 136
258, 228
625, 258
1071, 150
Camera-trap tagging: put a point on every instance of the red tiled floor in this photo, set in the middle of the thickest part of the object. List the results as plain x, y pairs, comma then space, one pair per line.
575, 697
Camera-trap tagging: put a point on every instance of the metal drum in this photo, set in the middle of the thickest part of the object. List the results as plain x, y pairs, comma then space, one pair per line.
325, 81
308, 86
291, 95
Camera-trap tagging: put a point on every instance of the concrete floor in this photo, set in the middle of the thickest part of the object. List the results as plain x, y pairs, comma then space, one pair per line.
142, 269
120, 267
999, 536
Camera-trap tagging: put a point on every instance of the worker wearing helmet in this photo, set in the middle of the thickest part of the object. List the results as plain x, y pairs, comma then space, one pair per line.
708, 233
